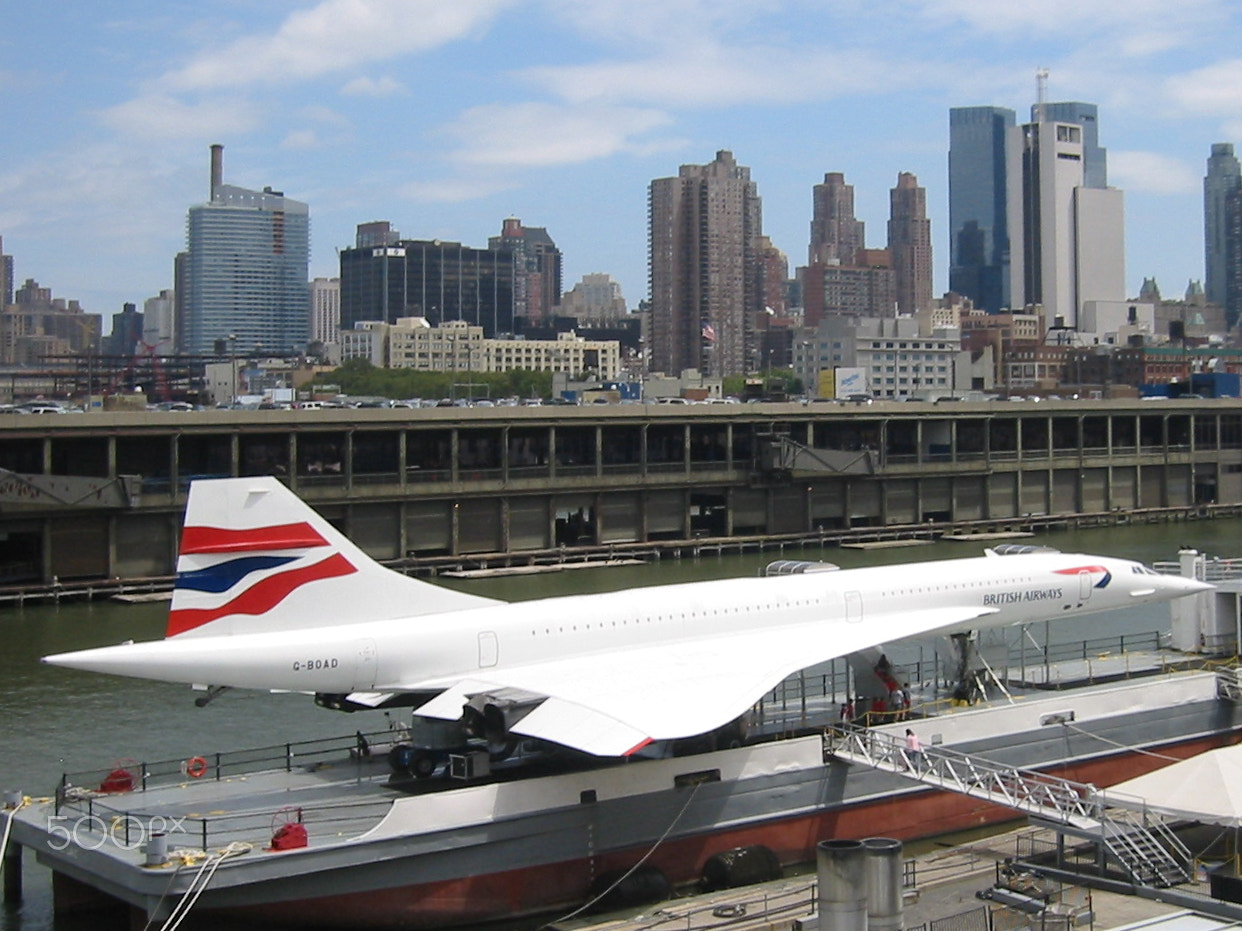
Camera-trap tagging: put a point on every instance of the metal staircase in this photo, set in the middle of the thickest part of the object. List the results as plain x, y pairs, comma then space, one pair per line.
1137, 840
1150, 852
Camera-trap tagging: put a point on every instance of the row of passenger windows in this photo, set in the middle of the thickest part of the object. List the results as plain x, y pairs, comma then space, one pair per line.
797, 603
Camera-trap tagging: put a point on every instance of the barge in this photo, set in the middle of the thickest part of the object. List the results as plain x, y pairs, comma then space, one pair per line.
373, 850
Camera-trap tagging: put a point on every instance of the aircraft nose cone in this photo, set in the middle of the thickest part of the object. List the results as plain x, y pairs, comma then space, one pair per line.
1192, 586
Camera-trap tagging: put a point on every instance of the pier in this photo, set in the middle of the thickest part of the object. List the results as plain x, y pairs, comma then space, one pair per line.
467, 488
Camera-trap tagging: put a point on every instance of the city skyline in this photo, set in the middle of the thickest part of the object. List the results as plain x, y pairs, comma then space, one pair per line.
446, 121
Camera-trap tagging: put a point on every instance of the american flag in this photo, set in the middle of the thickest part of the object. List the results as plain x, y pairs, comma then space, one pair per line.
709, 333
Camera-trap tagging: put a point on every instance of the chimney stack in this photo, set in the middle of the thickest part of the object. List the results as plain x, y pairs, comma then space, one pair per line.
217, 168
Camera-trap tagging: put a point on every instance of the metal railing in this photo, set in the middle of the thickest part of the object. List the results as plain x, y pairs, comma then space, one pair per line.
92, 822
139, 776
1025, 790
1214, 569
799, 693
1137, 837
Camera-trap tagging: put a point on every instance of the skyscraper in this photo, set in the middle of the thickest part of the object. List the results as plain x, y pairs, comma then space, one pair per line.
325, 310
435, 279
1086, 115
978, 205
702, 231
1069, 238
537, 283
836, 235
246, 269
1233, 257
6, 277
909, 243
1224, 175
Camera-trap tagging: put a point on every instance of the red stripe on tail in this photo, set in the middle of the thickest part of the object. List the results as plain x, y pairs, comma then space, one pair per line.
262, 596
221, 540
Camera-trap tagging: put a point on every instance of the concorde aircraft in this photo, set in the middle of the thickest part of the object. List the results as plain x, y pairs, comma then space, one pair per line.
270, 596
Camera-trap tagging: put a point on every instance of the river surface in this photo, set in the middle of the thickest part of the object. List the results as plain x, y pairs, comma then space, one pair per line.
56, 720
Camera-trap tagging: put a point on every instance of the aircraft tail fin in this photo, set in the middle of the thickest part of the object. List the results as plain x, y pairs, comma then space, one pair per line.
254, 558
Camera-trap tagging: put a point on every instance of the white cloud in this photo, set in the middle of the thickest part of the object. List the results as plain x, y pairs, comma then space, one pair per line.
325, 115
1124, 20
333, 36
1214, 90
300, 139
453, 190
160, 116
666, 23
1152, 173
128, 202
712, 75
369, 87
542, 135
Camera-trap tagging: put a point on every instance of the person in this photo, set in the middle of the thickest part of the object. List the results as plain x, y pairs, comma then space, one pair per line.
914, 750
898, 703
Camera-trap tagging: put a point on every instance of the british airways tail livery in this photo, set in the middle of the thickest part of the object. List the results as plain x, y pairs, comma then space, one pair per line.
270, 596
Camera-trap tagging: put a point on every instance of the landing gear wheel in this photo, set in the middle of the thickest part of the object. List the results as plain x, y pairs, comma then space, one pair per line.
400, 759
422, 765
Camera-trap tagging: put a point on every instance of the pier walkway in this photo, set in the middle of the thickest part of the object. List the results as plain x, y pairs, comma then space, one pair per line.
1135, 837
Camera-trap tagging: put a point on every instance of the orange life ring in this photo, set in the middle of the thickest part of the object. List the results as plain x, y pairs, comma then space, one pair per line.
195, 766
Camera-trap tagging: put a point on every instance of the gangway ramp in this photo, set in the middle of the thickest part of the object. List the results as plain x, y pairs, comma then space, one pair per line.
1134, 837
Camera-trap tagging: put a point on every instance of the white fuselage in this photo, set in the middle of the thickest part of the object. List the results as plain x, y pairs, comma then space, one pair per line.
434, 651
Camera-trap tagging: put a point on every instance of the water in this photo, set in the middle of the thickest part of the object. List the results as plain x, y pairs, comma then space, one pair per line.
53, 720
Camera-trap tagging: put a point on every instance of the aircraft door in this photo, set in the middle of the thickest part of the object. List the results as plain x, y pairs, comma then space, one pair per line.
1084, 586
364, 666
853, 607
489, 649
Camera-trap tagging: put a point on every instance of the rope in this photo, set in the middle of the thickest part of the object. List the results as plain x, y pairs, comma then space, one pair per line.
628, 873
197, 888
8, 828
1121, 746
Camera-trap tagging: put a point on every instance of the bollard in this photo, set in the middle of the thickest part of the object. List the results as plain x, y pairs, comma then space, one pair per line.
884, 878
842, 876
12, 798
157, 849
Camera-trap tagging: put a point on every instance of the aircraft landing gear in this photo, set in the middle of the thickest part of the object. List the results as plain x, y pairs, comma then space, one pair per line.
405, 760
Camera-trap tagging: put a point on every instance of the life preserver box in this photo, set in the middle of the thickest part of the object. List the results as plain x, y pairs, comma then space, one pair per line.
195, 767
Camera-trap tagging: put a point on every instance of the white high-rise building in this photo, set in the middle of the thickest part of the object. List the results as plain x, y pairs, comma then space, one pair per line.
159, 322
1067, 239
325, 310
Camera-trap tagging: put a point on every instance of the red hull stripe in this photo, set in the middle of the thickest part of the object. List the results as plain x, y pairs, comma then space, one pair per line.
262, 596
221, 540
637, 747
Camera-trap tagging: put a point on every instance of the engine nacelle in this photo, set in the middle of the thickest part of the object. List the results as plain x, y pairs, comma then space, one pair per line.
490, 715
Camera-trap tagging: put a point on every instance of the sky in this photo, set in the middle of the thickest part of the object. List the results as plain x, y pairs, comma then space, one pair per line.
447, 116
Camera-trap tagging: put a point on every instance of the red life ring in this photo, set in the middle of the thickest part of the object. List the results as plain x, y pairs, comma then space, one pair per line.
195, 766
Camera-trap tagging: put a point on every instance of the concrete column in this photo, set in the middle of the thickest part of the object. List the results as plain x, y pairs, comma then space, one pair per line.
840, 867
12, 867
348, 456
291, 451
552, 452
884, 882
402, 458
